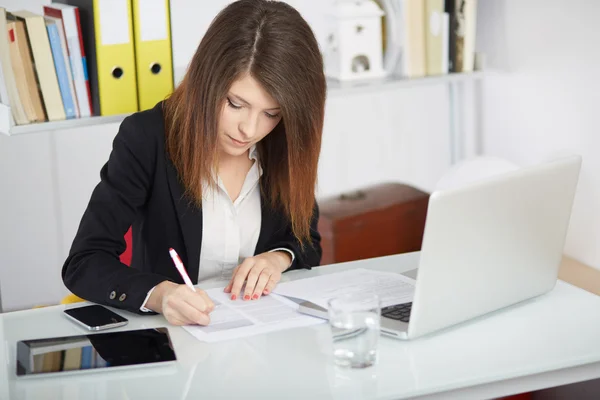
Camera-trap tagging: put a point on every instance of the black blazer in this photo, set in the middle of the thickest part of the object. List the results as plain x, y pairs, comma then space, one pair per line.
139, 187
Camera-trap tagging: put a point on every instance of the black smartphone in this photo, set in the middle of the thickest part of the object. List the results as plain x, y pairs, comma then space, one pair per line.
95, 317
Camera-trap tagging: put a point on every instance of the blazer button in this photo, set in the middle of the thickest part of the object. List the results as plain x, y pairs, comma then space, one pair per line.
122, 297
113, 294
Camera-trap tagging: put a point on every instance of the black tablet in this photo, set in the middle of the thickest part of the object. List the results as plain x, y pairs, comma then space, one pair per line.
94, 352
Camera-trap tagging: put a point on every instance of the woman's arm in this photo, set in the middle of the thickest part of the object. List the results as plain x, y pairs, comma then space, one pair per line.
93, 270
306, 256
262, 272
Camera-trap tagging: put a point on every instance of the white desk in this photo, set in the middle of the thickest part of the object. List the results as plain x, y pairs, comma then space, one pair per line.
548, 341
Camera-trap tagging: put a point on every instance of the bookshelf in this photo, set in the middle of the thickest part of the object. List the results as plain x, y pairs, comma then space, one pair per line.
335, 89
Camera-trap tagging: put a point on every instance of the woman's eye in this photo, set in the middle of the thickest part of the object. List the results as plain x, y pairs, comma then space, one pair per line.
237, 107
232, 105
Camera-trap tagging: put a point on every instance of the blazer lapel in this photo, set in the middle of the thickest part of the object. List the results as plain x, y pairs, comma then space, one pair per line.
190, 220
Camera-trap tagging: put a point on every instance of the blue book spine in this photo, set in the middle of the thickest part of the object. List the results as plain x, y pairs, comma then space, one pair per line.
61, 70
86, 357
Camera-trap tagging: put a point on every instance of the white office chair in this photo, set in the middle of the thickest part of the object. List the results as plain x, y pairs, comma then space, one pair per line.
474, 169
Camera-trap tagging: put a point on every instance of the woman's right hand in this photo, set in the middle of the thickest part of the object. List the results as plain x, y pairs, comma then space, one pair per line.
180, 305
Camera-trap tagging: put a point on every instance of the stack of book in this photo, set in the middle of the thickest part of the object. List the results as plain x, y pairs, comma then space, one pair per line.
429, 37
84, 59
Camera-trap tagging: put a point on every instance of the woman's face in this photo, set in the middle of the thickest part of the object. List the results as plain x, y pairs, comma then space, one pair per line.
248, 115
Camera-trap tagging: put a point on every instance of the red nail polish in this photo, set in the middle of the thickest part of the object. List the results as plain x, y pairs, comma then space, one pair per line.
233, 297
255, 297
246, 297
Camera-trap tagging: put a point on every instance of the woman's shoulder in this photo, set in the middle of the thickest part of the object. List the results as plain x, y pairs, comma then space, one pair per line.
150, 121
142, 134
143, 128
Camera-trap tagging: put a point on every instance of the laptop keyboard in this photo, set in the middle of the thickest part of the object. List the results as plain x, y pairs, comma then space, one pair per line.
400, 312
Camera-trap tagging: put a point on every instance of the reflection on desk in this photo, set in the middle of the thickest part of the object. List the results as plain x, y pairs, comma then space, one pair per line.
94, 351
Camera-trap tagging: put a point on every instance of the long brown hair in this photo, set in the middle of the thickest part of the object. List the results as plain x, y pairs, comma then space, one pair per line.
274, 44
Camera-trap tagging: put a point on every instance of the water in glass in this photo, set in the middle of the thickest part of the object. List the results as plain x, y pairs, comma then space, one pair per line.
355, 328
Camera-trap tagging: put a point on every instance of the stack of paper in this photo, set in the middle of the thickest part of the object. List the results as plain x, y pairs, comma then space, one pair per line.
390, 287
237, 319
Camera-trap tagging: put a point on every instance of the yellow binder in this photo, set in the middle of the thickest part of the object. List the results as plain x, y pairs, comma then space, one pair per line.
115, 57
154, 61
107, 32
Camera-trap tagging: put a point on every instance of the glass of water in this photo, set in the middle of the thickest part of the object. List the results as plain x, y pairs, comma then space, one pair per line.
355, 325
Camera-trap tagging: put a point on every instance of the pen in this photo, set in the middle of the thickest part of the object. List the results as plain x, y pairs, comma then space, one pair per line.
181, 268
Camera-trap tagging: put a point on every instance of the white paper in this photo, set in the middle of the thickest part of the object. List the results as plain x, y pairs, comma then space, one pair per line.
153, 20
114, 22
390, 287
238, 319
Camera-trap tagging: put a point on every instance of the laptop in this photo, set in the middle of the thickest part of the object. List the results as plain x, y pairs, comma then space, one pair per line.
487, 245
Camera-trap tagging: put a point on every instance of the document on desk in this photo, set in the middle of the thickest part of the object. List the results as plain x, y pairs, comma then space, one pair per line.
391, 288
238, 319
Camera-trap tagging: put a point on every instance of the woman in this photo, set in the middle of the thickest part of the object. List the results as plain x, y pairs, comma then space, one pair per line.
223, 171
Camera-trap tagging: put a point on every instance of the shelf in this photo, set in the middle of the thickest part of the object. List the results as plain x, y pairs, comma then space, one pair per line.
339, 88
7, 127
66, 124
334, 88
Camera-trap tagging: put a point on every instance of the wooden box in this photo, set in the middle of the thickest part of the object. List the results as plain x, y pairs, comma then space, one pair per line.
376, 221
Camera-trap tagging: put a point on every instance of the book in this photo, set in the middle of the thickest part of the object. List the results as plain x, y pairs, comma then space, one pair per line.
60, 68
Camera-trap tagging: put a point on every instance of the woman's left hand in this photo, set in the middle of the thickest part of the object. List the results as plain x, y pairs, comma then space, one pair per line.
260, 273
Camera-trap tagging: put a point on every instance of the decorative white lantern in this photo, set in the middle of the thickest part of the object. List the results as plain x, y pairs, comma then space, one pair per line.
353, 49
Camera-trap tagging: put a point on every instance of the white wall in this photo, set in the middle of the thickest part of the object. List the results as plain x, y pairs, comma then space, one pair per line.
47, 178
191, 18
546, 100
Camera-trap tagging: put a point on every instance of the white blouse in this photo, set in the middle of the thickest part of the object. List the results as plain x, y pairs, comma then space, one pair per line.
230, 229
